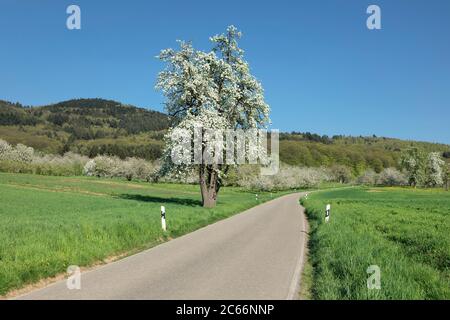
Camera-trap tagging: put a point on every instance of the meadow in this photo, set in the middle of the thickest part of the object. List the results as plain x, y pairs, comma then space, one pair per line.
405, 232
48, 223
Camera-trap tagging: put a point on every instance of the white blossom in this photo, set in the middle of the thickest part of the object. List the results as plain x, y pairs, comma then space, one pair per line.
434, 170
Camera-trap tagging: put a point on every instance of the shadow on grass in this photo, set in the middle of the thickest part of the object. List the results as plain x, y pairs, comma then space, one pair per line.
143, 198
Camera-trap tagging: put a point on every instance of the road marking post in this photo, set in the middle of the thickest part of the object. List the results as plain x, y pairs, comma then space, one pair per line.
256, 197
163, 218
327, 212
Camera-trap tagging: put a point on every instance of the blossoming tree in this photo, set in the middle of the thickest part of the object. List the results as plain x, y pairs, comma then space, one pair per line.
211, 91
434, 170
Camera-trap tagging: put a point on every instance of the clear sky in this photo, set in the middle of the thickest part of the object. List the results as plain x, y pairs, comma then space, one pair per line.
323, 71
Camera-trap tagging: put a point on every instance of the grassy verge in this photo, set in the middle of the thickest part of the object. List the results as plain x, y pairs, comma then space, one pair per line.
49, 223
404, 232
306, 282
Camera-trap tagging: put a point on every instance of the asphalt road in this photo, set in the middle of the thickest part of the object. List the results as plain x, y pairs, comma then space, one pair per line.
257, 254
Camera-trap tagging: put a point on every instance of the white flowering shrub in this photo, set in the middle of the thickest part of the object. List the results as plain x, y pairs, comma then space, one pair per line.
134, 168
412, 163
5, 150
16, 159
23, 159
106, 166
287, 178
392, 177
341, 173
434, 170
130, 168
89, 168
50, 164
368, 178
22, 153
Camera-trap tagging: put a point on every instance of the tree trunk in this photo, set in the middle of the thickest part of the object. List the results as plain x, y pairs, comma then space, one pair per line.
208, 186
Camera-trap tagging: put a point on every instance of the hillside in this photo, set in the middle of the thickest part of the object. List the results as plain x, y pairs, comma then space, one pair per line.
87, 126
358, 153
97, 126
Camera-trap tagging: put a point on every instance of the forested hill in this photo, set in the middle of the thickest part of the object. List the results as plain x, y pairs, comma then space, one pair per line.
87, 126
357, 153
98, 126
75, 115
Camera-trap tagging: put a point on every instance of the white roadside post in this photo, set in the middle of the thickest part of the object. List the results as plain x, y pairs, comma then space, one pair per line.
306, 196
256, 196
163, 218
327, 212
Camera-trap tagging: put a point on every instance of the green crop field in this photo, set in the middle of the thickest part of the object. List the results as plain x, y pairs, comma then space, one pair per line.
405, 232
49, 223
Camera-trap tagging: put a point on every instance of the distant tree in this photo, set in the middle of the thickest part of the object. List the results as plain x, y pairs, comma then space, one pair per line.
341, 173
58, 118
434, 170
369, 177
446, 175
413, 162
377, 165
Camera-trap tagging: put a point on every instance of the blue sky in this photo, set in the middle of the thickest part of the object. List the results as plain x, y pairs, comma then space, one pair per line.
323, 71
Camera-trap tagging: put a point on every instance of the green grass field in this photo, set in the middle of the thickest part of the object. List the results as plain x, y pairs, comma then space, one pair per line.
403, 231
49, 223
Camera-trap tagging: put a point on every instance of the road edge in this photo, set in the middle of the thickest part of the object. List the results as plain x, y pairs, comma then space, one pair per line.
294, 289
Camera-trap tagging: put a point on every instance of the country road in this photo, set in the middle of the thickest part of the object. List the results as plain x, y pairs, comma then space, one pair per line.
257, 254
